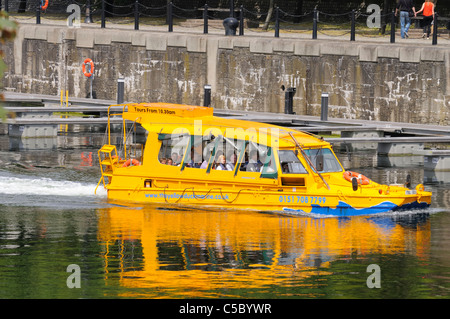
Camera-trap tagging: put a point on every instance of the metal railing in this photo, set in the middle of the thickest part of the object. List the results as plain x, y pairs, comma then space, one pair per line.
314, 22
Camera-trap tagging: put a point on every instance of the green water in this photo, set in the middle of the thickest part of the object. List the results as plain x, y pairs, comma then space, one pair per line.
50, 219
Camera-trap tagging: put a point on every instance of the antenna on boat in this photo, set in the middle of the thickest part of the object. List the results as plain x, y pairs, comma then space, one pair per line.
308, 160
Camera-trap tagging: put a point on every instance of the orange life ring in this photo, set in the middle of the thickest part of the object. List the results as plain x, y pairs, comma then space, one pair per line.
362, 180
132, 162
88, 74
45, 6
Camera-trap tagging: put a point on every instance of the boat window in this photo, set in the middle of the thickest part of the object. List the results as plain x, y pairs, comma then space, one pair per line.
172, 148
324, 160
290, 164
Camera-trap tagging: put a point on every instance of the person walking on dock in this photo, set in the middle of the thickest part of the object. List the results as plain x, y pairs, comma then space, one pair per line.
407, 10
428, 17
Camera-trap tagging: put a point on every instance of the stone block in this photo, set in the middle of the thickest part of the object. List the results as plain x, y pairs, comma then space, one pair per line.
368, 53
85, 38
55, 35
281, 45
261, 46
156, 42
138, 39
307, 48
409, 54
196, 44
176, 40
241, 42
349, 49
226, 43
432, 54
121, 36
102, 38
388, 51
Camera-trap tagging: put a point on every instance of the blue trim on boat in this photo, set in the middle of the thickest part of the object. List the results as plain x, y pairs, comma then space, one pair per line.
344, 209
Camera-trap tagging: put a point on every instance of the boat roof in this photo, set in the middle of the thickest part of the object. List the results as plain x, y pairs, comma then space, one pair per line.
168, 118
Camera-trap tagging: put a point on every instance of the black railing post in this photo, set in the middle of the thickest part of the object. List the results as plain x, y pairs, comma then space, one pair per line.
393, 27
435, 29
38, 13
232, 8
136, 15
241, 20
314, 34
170, 16
277, 22
205, 20
103, 14
6, 6
352, 33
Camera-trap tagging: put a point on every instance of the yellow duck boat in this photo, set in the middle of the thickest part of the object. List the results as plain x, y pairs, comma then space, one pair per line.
191, 157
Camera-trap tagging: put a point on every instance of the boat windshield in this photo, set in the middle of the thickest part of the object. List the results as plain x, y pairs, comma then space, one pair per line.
290, 164
324, 160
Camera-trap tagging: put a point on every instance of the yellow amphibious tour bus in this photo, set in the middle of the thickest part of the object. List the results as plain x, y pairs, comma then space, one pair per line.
191, 157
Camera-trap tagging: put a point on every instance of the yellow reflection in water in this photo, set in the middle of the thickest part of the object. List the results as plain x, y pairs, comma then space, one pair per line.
192, 253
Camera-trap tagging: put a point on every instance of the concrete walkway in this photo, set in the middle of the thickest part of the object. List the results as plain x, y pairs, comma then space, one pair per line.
215, 28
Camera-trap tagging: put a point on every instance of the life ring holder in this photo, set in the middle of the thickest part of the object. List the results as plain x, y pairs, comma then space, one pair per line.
91, 71
45, 5
132, 162
361, 179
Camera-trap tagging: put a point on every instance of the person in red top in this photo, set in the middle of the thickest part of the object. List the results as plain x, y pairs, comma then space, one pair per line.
428, 17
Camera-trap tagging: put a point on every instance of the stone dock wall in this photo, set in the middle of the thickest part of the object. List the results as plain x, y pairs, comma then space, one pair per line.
365, 80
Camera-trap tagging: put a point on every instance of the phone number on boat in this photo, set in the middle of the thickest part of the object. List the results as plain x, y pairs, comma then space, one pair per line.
302, 199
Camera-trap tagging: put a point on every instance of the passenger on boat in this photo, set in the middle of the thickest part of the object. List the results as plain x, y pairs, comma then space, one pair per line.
204, 164
163, 160
176, 158
223, 165
193, 161
253, 164
169, 161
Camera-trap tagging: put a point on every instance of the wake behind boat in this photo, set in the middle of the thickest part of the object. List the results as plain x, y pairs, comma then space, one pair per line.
191, 157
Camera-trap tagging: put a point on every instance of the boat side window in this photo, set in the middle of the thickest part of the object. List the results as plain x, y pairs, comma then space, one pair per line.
172, 148
290, 164
324, 160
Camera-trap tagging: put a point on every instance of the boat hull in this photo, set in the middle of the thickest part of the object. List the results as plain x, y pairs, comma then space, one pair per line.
318, 204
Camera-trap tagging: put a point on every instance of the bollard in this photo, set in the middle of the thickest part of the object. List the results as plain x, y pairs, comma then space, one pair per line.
120, 90
324, 107
230, 25
289, 101
207, 98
